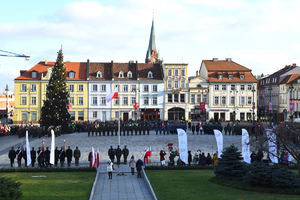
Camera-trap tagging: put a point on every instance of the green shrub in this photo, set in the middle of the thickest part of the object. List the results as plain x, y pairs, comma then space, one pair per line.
9, 189
259, 174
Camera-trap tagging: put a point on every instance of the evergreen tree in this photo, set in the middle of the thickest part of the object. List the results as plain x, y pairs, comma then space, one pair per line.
230, 165
54, 111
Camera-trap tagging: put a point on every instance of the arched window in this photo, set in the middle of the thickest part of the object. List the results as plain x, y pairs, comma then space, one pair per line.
71, 74
129, 74
150, 74
121, 75
99, 74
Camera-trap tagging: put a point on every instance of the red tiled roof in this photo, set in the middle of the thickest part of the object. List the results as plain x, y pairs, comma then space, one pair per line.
78, 67
213, 77
223, 65
156, 70
104, 68
289, 78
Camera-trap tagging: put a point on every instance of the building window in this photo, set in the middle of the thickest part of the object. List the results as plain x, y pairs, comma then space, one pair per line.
146, 88
117, 114
175, 84
232, 100
117, 101
71, 88
204, 98
129, 74
146, 100
182, 72
242, 76
34, 74
183, 83
80, 100
99, 74
242, 87
169, 72
103, 101
80, 88
216, 87
71, 74
121, 74
71, 100
223, 100
176, 72
242, 101
198, 98
193, 98
24, 116
125, 88
176, 98
95, 88
249, 87
154, 88
95, 114
94, 101
133, 100
154, 100
103, 116
169, 83
80, 115
232, 87
33, 88
182, 98
33, 116
249, 102
33, 100
230, 76
24, 100
224, 87
133, 88
125, 100
150, 74
24, 87
170, 99
72, 113
220, 76
216, 100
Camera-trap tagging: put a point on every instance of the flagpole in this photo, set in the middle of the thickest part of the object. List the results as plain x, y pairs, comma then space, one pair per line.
119, 113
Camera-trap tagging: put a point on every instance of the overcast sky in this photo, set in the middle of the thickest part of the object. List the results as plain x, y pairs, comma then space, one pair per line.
262, 35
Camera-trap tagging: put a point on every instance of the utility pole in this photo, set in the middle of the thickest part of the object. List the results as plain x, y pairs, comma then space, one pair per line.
253, 104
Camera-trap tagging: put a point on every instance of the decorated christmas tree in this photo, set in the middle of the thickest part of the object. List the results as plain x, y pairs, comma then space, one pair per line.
54, 111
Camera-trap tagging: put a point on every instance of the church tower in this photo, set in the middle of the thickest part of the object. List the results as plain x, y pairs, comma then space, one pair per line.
152, 55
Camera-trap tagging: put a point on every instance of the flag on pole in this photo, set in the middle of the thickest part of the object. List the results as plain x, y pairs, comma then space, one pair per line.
93, 158
200, 126
113, 95
245, 146
52, 154
146, 155
98, 158
28, 149
65, 147
183, 146
219, 139
43, 147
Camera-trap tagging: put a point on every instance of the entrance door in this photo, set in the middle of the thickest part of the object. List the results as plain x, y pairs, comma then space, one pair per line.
125, 117
216, 117
231, 117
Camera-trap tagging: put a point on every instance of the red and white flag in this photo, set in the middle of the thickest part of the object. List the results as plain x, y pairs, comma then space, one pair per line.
93, 158
98, 158
43, 147
113, 95
163, 125
200, 126
147, 154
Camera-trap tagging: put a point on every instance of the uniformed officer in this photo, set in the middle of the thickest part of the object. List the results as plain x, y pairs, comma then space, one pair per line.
33, 156
19, 156
125, 153
118, 154
62, 156
12, 156
77, 155
47, 157
69, 154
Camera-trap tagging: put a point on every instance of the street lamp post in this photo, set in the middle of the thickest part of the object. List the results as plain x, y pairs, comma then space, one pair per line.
291, 98
253, 104
270, 110
6, 90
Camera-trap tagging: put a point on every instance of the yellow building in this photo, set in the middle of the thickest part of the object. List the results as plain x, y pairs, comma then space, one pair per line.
31, 85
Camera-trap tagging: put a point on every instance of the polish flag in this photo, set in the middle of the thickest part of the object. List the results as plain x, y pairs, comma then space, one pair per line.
146, 155
98, 158
93, 158
200, 126
113, 95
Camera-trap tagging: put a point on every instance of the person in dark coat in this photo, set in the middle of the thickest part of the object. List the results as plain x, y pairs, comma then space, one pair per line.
189, 157
62, 156
19, 155
125, 153
118, 154
25, 157
260, 155
40, 157
208, 159
69, 154
253, 157
56, 157
139, 165
47, 157
202, 160
111, 154
33, 156
12, 156
77, 155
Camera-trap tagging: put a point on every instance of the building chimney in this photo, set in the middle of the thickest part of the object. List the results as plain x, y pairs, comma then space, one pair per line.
215, 59
46, 62
196, 73
294, 64
228, 59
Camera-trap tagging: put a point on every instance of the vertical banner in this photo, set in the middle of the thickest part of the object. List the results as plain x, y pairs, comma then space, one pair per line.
52, 154
93, 158
183, 147
245, 146
219, 139
28, 150
272, 146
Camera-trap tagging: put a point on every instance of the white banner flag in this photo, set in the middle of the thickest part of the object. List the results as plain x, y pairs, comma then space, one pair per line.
245, 146
219, 139
52, 154
183, 147
272, 146
28, 150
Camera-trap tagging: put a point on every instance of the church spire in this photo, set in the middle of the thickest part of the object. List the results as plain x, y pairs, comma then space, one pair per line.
152, 52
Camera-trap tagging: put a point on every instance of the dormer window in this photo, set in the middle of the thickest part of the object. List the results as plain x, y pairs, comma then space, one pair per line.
129, 74
34, 74
230, 76
71, 74
220, 76
150, 74
99, 74
242, 76
121, 75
